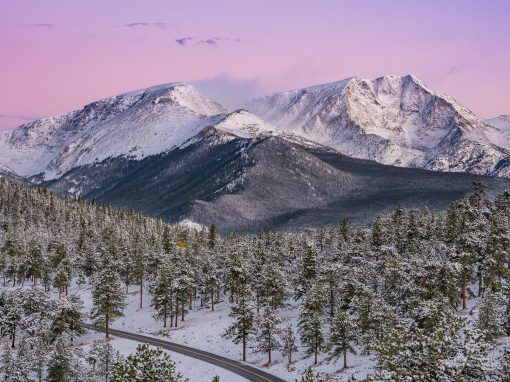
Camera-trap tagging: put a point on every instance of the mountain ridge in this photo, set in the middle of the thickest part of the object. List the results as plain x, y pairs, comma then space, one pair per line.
391, 119
172, 153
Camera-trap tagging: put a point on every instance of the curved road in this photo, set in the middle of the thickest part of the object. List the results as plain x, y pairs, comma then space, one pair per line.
245, 371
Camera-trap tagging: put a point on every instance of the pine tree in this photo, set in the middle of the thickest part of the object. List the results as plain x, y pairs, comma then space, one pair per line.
288, 339
243, 313
311, 320
342, 335
438, 355
7, 362
267, 329
102, 358
160, 287
108, 297
503, 371
63, 366
147, 364
308, 376
308, 272
490, 316
12, 313
67, 314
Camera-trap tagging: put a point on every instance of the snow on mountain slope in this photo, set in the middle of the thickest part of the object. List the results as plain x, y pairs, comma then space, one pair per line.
245, 125
393, 120
134, 124
502, 122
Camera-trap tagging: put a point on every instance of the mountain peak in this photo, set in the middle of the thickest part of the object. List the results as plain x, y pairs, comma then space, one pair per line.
395, 120
136, 124
502, 122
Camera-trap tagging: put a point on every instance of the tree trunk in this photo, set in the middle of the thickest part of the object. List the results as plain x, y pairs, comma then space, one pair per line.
345, 359
315, 355
107, 326
331, 301
141, 290
212, 300
164, 316
480, 286
176, 310
244, 347
464, 292
13, 335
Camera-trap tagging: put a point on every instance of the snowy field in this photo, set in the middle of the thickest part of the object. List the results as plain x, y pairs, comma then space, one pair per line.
202, 329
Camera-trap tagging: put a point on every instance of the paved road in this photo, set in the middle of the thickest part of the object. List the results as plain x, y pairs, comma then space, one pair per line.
245, 371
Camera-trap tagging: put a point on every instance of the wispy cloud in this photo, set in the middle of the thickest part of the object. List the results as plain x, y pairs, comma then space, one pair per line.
231, 92
183, 41
18, 116
39, 25
211, 41
143, 24
456, 68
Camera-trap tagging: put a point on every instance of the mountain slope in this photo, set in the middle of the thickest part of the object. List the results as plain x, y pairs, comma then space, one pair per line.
135, 124
260, 183
392, 120
502, 123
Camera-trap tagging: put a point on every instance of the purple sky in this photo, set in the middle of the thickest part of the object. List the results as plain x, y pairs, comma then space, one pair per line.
56, 56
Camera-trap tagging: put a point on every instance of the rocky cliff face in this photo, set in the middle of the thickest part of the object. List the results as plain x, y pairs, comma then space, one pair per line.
392, 120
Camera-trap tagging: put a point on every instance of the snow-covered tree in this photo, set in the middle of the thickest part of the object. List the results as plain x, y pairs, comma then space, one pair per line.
343, 335
243, 313
147, 364
311, 320
102, 358
108, 297
267, 330
288, 342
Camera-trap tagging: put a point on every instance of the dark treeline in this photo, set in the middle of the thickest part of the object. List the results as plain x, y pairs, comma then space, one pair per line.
425, 293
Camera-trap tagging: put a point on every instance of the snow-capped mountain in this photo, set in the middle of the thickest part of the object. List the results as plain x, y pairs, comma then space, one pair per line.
502, 123
393, 120
135, 124
170, 152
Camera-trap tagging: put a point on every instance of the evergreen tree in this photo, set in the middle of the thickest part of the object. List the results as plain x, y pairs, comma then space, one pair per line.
288, 340
490, 316
342, 335
308, 272
108, 297
267, 329
161, 290
308, 376
311, 320
147, 364
243, 313
102, 358
63, 365
67, 314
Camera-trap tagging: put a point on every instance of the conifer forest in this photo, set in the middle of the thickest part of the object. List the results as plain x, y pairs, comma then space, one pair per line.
423, 295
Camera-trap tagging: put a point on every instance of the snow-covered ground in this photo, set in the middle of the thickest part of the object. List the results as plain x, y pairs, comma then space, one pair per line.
202, 329
194, 370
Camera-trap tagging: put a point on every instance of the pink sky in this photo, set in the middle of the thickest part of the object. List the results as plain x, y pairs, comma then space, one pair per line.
56, 56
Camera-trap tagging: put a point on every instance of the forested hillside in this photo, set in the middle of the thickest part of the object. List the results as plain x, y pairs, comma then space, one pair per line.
424, 295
